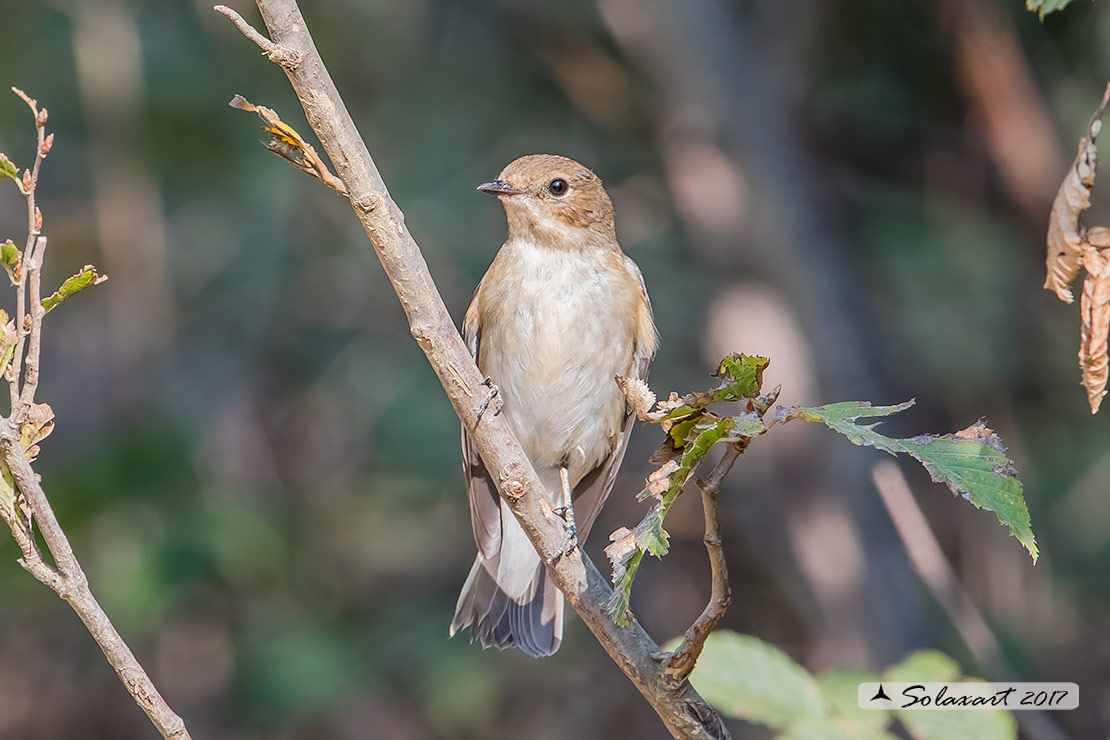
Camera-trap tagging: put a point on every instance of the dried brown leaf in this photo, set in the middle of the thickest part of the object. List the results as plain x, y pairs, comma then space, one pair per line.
39, 425
623, 546
640, 397
289, 145
660, 479
1094, 310
1065, 236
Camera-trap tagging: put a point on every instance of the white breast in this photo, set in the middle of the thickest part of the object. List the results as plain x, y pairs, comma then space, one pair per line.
556, 327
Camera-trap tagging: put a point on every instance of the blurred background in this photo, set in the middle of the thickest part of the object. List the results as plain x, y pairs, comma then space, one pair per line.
261, 473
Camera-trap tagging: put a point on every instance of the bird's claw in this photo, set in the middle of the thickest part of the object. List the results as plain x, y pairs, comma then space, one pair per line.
570, 541
494, 392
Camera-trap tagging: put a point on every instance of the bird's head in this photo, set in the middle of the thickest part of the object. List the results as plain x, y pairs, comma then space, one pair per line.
554, 201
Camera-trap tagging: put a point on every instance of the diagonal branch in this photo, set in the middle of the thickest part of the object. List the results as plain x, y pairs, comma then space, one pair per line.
685, 714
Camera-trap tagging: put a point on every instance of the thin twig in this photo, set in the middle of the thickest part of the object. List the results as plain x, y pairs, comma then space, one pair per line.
274, 52
70, 583
678, 665
32, 275
34, 229
685, 714
22, 499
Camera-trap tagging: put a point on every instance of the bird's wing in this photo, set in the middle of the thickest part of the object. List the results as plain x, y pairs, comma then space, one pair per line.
485, 509
591, 492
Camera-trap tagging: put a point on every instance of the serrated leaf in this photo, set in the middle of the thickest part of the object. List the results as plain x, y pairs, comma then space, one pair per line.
972, 462
11, 259
924, 666
1044, 7
651, 536
745, 677
742, 378
83, 279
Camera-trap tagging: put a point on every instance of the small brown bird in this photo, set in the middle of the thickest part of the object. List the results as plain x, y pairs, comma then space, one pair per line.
559, 313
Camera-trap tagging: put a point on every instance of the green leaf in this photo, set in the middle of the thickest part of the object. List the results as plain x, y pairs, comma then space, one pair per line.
743, 378
923, 666
750, 679
7, 488
926, 666
692, 431
828, 728
7, 169
1044, 7
8, 339
840, 689
86, 277
972, 462
11, 259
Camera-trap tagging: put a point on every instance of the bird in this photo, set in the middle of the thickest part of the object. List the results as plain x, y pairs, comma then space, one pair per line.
560, 312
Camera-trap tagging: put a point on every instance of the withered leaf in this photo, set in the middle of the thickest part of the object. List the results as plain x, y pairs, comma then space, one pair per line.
1094, 310
640, 397
290, 145
1065, 238
39, 425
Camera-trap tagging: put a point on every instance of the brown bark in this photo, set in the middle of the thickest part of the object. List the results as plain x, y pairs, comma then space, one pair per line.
685, 714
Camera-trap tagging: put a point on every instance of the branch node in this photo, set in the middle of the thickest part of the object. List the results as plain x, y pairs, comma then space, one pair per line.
285, 58
368, 203
280, 55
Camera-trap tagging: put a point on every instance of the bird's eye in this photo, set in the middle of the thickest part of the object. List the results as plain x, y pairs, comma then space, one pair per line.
558, 187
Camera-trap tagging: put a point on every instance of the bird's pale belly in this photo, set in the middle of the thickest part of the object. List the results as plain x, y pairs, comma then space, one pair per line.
554, 361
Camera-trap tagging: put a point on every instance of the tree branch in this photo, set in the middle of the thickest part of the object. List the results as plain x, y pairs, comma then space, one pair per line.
685, 714
22, 499
678, 665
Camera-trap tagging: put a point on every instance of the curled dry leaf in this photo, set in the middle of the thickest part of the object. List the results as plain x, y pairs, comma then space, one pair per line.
39, 425
1094, 310
1065, 243
1069, 246
660, 479
289, 145
640, 397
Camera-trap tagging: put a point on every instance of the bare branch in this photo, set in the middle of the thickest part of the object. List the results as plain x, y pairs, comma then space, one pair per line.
22, 500
684, 713
678, 665
277, 54
70, 583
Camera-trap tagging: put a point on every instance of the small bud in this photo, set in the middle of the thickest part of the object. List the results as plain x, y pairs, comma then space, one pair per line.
27, 323
26, 181
47, 144
38, 219
40, 119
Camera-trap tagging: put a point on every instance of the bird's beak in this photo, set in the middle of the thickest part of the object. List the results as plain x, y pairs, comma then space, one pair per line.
499, 187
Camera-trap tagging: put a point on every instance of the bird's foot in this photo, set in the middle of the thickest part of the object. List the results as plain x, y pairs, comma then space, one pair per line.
494, 392
570, 541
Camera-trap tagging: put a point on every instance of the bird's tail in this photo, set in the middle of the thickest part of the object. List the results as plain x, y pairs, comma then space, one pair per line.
535, 624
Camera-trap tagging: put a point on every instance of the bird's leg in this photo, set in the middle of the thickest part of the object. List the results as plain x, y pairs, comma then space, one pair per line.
566, 511
494, 392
